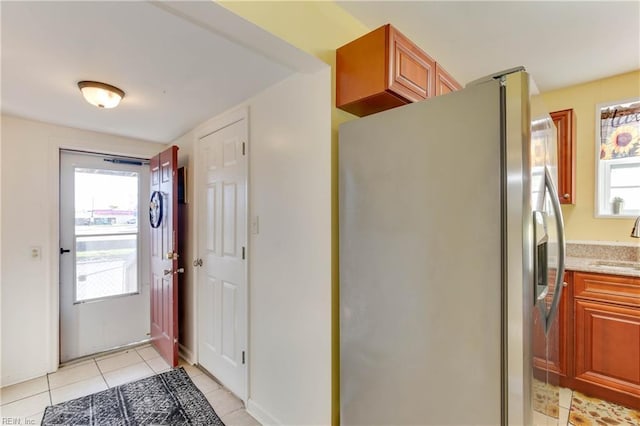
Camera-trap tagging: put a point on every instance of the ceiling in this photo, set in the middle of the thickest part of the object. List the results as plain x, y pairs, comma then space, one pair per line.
181, 63
559, 43
176, 71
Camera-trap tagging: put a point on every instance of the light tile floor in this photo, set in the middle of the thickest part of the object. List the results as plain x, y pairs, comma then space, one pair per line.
564, 418
540, 419
25, 402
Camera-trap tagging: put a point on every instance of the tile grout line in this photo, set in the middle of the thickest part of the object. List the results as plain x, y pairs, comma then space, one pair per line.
101, 373
116, 354
570, 404
231, 412
28, 396
145, 361
49, 389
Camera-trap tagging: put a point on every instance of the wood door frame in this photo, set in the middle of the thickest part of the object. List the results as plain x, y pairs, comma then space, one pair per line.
211, 126
58, 143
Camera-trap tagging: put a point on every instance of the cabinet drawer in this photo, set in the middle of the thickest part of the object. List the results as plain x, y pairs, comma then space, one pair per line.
609, 288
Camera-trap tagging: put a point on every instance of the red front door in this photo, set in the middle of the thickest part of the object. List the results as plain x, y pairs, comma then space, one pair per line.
163, 221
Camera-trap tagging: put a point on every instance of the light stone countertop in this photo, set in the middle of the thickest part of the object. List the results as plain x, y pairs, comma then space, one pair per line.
583, 264
604, 257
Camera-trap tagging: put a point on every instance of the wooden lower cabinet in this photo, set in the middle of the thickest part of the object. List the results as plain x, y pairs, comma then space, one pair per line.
594, 346
607, 338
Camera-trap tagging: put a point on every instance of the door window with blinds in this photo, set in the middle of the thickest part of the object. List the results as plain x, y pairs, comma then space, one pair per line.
618, 159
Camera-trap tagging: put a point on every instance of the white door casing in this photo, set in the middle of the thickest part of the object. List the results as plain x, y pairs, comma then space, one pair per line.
91, 327
222, 247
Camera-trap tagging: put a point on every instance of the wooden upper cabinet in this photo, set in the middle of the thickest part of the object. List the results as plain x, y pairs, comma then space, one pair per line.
384, 69
411, 72
566, 136
444, 82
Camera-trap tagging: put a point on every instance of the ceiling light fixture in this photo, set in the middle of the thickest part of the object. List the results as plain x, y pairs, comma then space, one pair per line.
101, 95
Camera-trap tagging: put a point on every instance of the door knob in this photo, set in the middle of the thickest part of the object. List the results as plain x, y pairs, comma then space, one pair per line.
172, 255
566, 196
179, 271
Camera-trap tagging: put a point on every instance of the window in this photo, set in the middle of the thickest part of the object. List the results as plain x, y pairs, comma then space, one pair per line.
106, 233
618, 164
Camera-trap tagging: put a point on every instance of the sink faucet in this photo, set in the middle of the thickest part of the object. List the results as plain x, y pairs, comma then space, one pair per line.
635, 232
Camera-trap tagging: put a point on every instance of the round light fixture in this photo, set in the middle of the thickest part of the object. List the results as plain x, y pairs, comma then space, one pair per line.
101, 95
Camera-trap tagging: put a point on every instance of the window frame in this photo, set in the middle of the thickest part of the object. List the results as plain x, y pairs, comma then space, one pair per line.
602, 196
137, 233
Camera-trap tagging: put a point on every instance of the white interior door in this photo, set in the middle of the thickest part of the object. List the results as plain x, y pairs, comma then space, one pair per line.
222, 293
104, 271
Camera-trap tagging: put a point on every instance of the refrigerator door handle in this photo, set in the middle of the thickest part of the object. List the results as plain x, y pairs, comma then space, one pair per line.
555, 202
541, 239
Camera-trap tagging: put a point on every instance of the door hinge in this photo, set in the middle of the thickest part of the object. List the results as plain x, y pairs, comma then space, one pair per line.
243, 149
243, 357
242, 253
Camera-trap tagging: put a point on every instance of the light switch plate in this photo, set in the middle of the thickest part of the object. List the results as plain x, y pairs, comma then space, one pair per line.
36, 252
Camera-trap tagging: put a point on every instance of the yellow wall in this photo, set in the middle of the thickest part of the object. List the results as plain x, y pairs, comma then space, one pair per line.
580, 221
318, 28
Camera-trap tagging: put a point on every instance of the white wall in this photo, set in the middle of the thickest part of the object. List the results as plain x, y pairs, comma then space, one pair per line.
29, 197
290, 266
290, 259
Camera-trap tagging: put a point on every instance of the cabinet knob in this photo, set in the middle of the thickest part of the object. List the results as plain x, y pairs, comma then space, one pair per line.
566, 196
564, 284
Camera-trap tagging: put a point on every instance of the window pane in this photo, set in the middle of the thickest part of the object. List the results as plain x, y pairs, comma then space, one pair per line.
631, 197
106, 266
625, 175
106, 201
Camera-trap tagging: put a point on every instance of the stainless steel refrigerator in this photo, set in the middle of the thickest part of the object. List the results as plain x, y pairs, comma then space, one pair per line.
451, 259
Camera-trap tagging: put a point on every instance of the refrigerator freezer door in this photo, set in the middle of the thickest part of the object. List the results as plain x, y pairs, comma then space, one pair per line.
549, 271
421, 273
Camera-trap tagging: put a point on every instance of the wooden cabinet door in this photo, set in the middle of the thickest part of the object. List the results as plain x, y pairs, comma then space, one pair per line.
444, 82
607, 349
411, 70
565, 125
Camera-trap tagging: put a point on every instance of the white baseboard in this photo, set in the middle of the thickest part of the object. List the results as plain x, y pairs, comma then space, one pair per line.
260, 414
185, 353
